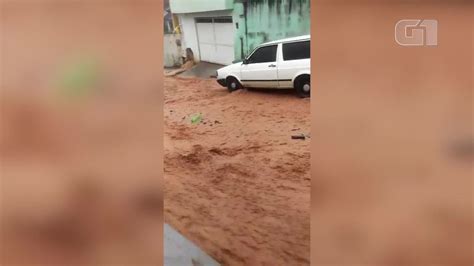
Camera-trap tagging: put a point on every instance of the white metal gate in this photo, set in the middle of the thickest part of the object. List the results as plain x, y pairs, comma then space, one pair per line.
216, 39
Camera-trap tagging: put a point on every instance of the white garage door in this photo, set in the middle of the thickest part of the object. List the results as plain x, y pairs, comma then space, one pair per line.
216, 39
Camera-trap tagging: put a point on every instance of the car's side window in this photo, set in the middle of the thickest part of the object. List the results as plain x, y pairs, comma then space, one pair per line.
264, 55
296, 50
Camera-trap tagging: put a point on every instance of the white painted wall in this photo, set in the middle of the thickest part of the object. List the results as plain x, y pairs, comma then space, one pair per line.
188, 29
191, 6
172, 52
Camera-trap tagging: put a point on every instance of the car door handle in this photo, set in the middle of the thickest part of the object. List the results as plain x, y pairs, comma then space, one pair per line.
272, 65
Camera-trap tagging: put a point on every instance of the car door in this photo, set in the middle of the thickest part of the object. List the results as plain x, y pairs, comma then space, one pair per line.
260, 70
294, 58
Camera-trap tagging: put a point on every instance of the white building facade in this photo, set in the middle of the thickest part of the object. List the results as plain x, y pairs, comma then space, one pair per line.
207, 29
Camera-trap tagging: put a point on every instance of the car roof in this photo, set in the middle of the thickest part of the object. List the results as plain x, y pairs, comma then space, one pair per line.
292, 39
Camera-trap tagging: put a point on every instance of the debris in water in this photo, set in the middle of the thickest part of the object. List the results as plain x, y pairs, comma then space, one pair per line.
301, 136
196, 118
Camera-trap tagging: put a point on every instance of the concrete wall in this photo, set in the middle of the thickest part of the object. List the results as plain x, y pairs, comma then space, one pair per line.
256, 21
172, 51
187, 6
188, 27
261, 21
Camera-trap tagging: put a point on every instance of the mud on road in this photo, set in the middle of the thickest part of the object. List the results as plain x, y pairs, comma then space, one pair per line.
236, 183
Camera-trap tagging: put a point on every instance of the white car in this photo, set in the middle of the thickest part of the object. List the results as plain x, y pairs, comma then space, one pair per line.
282, 64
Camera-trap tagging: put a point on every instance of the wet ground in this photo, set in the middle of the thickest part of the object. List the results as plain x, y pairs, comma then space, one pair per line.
236, 183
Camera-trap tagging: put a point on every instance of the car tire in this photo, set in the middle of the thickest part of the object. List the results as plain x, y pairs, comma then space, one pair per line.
233, 84
303, 86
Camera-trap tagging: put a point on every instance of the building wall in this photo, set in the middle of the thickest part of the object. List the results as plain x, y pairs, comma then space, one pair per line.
188, 28
172, 51
188, 6
261, 21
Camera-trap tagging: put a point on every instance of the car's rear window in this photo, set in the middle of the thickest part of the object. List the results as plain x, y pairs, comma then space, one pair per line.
296, 50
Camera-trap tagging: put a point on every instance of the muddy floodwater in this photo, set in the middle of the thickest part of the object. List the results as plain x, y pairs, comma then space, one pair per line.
236, 183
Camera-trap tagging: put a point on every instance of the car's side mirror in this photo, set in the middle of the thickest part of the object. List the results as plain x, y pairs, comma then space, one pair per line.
245, 61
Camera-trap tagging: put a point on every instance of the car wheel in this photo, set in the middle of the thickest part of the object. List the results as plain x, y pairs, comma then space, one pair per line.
303, 87
233, 84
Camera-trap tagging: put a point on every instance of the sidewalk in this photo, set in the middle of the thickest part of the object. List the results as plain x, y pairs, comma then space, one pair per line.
202, 70
179, 251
